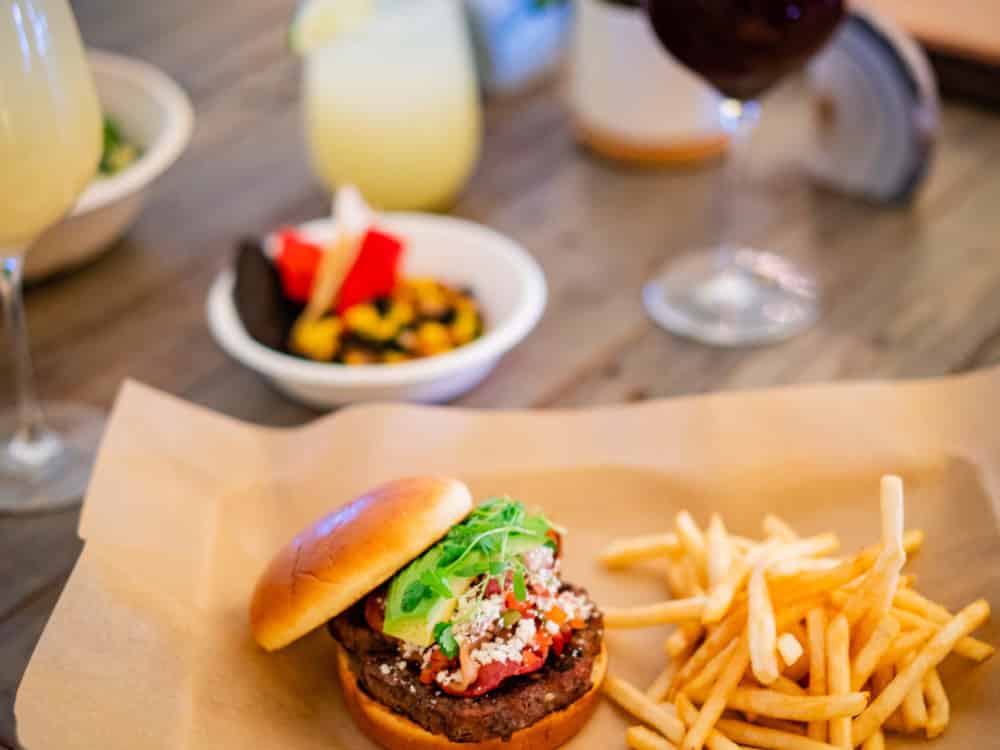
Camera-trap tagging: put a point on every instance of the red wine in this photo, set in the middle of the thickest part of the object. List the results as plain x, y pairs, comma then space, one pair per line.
743, 47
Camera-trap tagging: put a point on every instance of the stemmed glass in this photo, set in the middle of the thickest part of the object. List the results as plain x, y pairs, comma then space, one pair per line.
734, 295
50, 146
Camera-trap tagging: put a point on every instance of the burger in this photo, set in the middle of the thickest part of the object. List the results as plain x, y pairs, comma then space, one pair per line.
450, 623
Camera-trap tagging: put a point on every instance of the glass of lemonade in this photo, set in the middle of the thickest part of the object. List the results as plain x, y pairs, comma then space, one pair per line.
50, 146
392, 106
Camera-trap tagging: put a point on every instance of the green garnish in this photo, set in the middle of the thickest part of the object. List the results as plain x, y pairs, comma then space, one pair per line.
446, 639
510, 618
488, 543
117, 152
520, 592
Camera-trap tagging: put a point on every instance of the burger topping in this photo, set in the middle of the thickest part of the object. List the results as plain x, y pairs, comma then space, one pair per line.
483, 605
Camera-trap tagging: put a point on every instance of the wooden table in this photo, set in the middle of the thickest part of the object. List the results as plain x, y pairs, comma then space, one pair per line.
908, 293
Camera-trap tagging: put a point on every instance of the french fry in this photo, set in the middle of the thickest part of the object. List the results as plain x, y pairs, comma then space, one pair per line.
662, 613
816, 630
624, 552
782, 725
932, 654
838, 676
970, 648
789, 648
765, 702
718, 550
762, 629
713, 707
702, 682
812, 546
720, 597
678, 580
800, 668
904, 643
693, 542
689, 714
754, 621
641, 738
787, 686
938, 705
684, 639
775, 526
914, 602
785, 588
659, 687
633, 701
804, 565
891, 501
875, 742
881, 678
717, 640
766, 738
913, 540
914, 709
867, 658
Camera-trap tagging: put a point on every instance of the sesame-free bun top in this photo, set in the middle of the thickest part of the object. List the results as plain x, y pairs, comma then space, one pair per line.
350, 552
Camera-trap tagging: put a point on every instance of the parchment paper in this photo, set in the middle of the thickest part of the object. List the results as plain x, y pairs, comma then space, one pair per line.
148, 646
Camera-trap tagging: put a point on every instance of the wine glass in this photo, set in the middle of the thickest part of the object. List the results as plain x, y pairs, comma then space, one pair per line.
50, 146
734, 295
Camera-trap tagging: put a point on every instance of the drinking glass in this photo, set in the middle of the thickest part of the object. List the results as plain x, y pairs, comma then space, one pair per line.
392, 107
732, 294
50, 145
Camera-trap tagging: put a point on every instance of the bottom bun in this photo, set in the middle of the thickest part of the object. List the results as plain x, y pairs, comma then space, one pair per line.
396, 732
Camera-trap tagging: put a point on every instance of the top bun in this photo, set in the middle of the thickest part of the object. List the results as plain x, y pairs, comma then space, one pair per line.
350, 552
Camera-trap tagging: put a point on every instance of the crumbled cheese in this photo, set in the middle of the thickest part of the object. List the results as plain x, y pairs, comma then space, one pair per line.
446, 678
384, 669
486, 614
575, 606
552, 627
410, 650
539, 558
412, 689
525, 630
510, 650
401, 665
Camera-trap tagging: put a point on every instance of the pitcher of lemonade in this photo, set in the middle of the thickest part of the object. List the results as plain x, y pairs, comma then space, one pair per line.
391, 102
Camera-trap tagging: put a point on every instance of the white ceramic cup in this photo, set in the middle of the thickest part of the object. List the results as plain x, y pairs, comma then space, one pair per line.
631, 101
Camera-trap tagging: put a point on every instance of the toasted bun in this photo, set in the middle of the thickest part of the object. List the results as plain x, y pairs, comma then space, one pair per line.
344, 555
395, 732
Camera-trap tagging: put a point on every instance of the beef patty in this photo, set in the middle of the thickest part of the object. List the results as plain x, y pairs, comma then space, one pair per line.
519, 702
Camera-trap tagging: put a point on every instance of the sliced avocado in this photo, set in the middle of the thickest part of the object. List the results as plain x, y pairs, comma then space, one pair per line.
417, 626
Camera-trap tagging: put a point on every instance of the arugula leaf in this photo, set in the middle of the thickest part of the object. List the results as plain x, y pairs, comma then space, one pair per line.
446, 639
435, 583
497, 567
413, 595
520, 590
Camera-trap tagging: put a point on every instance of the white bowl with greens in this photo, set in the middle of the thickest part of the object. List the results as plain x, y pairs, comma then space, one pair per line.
148, 123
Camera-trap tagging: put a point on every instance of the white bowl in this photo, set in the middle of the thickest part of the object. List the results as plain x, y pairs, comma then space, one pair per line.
154, 112
508, 284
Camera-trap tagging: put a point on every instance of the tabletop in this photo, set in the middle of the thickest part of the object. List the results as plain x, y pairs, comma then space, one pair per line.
909, 292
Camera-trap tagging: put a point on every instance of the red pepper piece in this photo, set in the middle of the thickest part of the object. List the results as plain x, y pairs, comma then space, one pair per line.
493, 674
374, 272
297, 262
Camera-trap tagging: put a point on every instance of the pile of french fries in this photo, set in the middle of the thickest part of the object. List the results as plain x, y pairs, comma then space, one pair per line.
779, 644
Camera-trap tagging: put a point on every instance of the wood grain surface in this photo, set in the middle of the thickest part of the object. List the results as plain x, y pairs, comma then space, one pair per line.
908, 292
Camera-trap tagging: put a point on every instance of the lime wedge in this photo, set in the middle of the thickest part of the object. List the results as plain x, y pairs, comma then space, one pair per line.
318, 21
